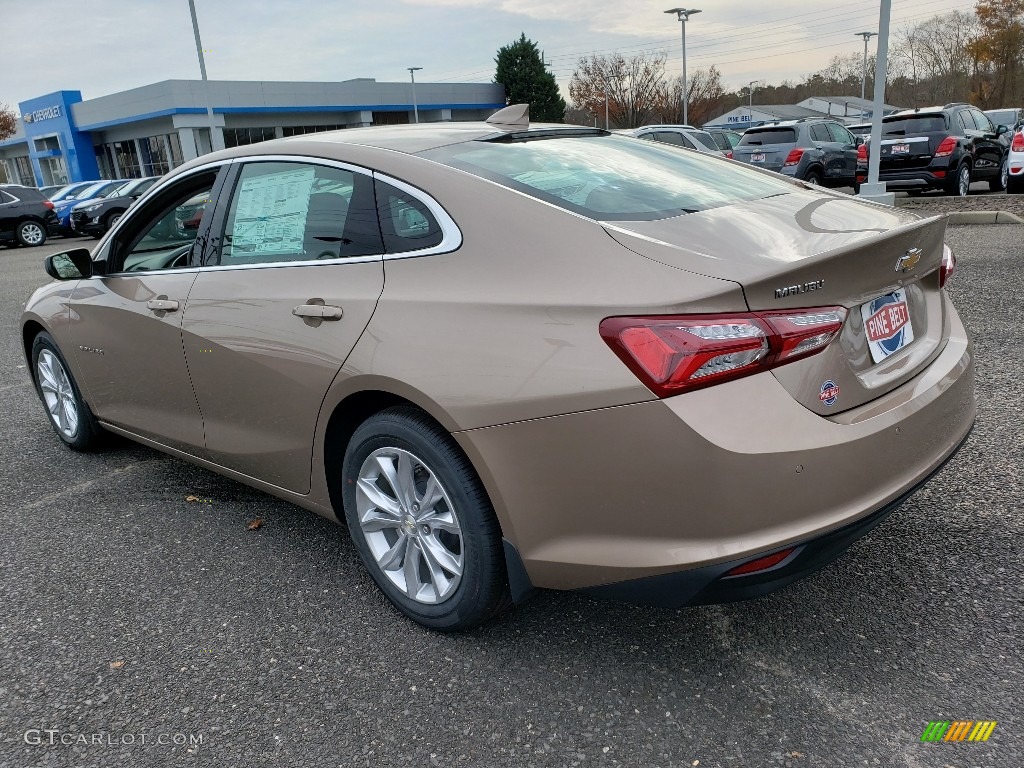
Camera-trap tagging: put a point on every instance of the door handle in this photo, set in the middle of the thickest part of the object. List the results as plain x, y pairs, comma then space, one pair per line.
318, 311
162, 305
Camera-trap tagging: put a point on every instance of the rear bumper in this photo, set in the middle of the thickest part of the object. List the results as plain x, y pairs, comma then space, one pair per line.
710, 584
715, 477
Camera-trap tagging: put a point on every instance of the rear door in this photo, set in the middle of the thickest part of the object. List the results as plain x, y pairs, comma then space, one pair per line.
846, 146
293, 276
766, 147
989, 149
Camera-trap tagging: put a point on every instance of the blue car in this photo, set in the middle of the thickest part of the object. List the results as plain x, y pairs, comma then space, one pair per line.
68, 191
95, 191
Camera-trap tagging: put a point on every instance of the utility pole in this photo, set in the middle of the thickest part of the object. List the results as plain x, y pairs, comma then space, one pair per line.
684, 14
864, 77
873, 190
412, 76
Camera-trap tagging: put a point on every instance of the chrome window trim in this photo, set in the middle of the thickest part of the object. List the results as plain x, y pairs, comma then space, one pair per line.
451, 235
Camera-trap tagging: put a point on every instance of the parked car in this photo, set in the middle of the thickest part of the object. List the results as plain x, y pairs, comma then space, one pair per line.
69, 191
945, 148
26, 216
47, 191
94, 217
1012, 118
725, 140
818, 151
677, 135
860, 129
679, 383
1015, 165
95, 191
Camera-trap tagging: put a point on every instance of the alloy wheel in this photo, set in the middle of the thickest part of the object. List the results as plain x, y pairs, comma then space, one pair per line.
32, 233
58, 394
410, 525
964, 185
1004, 174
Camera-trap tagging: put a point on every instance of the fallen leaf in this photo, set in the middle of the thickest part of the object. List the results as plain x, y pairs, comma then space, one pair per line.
192, 498
796, 754
116, 664
255, 524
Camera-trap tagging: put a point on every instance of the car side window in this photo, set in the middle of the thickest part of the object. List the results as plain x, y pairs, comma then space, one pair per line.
162, 234
982, 121
840, 134
820, 133
405, 221
5, 198
672, 137
967, 121
282, 212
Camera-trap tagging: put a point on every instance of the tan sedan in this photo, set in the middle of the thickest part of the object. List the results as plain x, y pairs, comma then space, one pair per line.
516, 357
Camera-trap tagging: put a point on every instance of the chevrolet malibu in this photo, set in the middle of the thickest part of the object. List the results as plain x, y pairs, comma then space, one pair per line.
513, 357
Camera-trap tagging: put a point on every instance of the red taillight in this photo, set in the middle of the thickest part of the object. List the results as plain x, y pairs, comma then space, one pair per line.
948, 266
793, 157
1017, 145
671, 354
946, 147
47, 204
862, 153
728, 153
760, 564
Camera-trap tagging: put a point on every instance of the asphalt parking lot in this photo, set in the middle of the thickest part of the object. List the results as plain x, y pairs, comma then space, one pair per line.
131, 611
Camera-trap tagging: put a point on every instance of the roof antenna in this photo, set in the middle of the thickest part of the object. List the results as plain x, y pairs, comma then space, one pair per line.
512, 118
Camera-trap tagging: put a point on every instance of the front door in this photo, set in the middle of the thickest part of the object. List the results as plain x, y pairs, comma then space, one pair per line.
126, 324
295, 272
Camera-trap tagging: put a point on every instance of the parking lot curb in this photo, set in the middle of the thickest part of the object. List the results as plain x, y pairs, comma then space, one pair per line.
984, 217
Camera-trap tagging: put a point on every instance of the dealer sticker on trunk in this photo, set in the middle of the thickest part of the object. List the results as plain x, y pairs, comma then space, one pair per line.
887, 324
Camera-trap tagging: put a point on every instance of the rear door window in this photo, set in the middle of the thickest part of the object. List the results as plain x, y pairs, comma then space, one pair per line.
674, 137
705, 139
820, 133
768, 136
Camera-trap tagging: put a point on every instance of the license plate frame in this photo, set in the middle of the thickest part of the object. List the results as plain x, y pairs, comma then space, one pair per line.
757, 157
901, 149
887, 324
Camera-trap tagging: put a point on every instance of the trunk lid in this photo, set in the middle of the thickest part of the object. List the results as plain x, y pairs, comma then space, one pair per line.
809, 249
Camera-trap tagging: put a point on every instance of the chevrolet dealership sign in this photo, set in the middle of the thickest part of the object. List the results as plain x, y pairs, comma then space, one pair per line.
42, 114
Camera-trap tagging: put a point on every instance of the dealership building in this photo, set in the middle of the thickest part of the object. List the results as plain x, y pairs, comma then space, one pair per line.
148, 131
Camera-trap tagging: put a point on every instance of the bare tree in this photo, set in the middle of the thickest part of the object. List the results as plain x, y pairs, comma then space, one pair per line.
705, 95
633, 87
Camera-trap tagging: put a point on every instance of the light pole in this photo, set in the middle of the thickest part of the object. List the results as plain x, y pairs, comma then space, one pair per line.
214, 144
864, 78
683, 14
412, 76
750, 105
873, 190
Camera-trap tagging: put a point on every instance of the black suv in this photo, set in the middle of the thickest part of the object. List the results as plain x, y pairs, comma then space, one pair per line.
95, 217
817, 150
26, 216
939, 148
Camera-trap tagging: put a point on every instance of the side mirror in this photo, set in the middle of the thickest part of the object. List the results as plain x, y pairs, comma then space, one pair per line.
858, 140
1001, 129
70, 265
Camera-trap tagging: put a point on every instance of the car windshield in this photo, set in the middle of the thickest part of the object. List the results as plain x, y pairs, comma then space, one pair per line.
913, 124
65, 193
123, 189
89, 192
1007, 117
768, 136
610, 177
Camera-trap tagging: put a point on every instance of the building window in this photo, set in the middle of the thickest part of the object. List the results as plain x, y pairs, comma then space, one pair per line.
154, 155
127, 157
299, 130
237, 137
24, 174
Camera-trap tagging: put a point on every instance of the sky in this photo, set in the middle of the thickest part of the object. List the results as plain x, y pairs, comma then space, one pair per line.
105, 46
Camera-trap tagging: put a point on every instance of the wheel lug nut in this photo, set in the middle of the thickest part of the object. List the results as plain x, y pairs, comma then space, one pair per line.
415, 507
425, 528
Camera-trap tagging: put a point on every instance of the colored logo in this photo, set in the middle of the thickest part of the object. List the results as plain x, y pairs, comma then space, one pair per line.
889, 316
908, 260
829, 392
958, 730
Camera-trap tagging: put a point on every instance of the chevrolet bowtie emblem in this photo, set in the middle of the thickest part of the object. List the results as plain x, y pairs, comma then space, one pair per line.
908, 260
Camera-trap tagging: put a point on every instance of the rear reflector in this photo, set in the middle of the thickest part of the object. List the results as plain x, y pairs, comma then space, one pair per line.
671, 354
939, 174
793, 158
760, 564
946, 147
948, 266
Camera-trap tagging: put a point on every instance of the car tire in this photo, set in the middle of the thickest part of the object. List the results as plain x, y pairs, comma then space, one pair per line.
998, 184
66, 409
112, 218
957, 185
30, 233
441, 565
813, 177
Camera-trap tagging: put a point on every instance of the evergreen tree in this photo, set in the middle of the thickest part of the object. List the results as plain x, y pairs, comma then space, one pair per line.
527, 81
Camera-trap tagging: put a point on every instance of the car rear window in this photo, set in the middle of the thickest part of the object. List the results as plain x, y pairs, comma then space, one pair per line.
768, 136
610, 178
908, 126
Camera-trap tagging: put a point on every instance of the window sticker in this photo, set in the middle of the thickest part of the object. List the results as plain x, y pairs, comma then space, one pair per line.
270, 213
